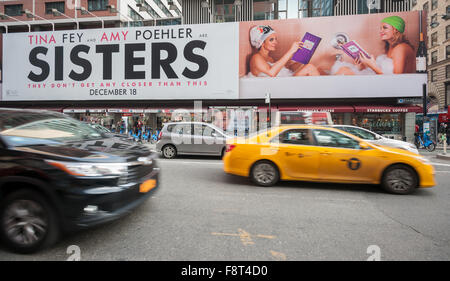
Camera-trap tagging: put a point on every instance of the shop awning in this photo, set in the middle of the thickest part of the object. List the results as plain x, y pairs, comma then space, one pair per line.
388, 109
57, 109
332, 109
126, 110
84, 110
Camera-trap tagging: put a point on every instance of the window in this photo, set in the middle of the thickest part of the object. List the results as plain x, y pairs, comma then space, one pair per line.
447, 94
433, 75
447, 71
163, 8
181, 129
282, 9
447, 30
137, 19
34, 128
164, 22
262, 9
447, 52
434, 57
360, 133
97, 5
434, 19
310, 8
434, 39
413, 3
334, 139
425, 7
295, 136
54, 5
14, 10
434, 4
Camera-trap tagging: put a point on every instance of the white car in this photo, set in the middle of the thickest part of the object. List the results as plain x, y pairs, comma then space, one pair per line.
375, 138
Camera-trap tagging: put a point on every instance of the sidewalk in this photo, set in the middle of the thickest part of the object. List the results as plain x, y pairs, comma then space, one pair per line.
438, 153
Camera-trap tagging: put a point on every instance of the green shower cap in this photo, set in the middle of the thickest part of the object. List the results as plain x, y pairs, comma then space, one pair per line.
396, 21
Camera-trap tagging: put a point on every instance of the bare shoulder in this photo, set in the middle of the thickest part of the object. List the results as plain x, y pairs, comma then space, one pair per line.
402, 48
256, 58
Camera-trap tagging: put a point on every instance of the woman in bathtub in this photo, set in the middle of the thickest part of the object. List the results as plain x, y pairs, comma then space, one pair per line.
264, 38
399, 54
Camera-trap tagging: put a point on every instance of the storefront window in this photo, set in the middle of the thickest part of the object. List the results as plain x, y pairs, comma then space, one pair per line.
338, 118
386, 124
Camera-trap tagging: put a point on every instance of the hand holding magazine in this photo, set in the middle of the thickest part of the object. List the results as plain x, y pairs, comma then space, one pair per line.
304, 54
353, 49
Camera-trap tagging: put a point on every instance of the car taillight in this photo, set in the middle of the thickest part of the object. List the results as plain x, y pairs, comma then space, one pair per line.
230, 147
160, 135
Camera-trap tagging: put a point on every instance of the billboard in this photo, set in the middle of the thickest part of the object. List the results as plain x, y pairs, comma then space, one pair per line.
167, 62
359, 56
356, 56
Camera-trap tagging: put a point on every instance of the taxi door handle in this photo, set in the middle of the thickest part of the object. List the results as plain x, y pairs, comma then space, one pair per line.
301, 155
325, 153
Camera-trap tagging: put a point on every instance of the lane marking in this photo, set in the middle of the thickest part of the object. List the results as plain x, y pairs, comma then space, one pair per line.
440, 164
245, 237
278, 255
189, 162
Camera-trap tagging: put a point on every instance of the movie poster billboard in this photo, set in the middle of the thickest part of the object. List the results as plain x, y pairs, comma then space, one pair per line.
151, 63
360, 56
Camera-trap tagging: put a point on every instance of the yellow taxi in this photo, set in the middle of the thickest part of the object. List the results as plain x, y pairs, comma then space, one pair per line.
323, 154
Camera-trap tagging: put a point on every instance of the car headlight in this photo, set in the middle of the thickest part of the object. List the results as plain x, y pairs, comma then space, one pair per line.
91, 169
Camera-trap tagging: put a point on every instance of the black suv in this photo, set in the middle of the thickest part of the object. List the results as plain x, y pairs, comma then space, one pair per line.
58, 175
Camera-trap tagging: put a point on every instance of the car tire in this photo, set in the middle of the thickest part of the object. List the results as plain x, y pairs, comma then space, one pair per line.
223, 153
264, 173
399, 179
27, 222
169, 151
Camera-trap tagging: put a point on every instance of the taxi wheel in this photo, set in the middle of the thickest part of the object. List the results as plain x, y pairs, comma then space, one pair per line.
169, 151
399, 179
264, 173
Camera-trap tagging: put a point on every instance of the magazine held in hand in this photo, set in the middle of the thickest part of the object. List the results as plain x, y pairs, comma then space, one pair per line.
304, 54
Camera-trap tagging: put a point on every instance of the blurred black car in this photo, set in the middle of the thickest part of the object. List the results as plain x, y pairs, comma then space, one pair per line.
58, 175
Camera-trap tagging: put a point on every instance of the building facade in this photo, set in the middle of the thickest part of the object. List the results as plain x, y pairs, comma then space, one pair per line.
38, 15
388, 116
438, 46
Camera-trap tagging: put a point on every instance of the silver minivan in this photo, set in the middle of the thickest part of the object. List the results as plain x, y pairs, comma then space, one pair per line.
191, 138
376, 138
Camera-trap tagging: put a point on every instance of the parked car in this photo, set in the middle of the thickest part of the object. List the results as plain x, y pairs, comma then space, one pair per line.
59, 175
191, 138
324, 154
375, 138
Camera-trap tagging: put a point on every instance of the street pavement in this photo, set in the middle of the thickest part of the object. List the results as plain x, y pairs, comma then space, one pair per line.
201, 213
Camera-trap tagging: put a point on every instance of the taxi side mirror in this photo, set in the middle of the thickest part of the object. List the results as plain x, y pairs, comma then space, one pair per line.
363, 145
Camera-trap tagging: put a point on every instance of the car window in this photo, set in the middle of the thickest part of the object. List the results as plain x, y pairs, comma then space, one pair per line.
170, 128
334, 139
182, 129
208, 131
20, 130
294, 136
360, 133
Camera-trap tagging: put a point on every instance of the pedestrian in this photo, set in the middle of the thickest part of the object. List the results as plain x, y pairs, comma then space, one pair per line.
447, 129
441, 132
